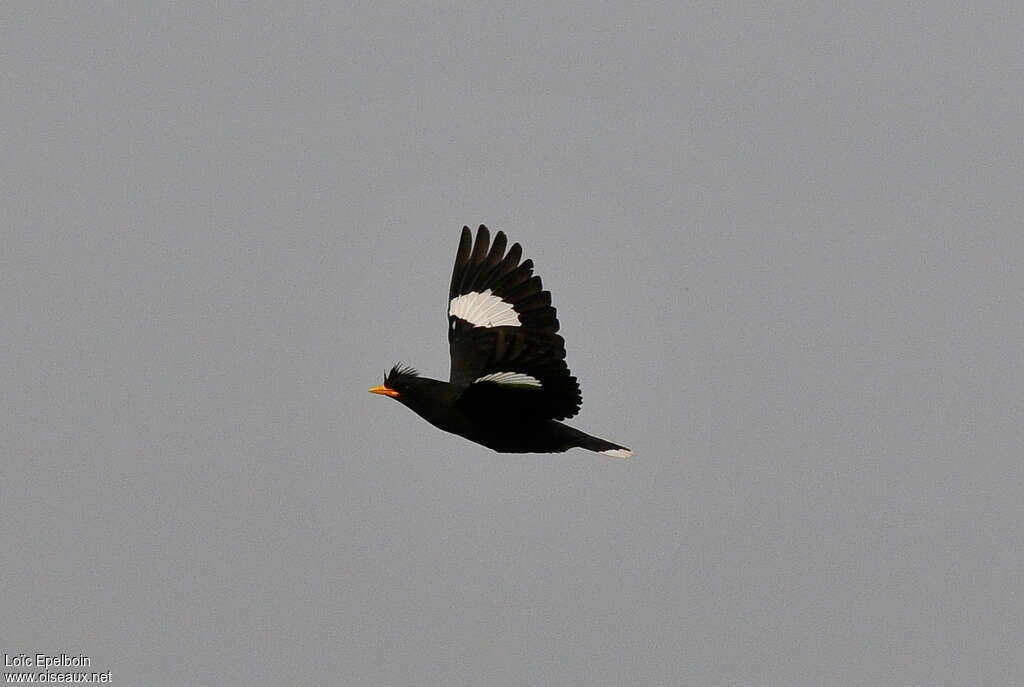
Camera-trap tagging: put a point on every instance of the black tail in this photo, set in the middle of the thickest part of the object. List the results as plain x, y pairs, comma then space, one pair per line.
591, 443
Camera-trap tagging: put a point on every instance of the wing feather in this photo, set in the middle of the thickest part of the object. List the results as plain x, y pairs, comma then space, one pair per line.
502, 328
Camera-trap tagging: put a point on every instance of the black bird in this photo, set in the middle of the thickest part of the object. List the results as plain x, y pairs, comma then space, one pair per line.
509, 384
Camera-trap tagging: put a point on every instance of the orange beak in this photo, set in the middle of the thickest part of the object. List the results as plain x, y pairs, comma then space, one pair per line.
384, 391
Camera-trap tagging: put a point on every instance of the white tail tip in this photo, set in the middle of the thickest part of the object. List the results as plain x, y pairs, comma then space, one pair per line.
618, 452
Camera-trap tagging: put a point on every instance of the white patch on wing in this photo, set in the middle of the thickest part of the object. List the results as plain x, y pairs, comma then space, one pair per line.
484, 309
618, 452
511, 379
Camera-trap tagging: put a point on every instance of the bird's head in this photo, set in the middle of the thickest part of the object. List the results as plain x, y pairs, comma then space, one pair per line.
399, 380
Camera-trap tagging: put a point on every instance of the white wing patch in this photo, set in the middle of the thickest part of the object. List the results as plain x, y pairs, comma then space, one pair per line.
484, 309
512, 379
618, 452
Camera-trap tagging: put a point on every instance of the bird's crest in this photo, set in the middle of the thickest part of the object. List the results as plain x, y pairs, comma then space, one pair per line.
398, 374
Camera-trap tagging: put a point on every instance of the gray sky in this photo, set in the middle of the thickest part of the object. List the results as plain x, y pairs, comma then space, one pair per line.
785, 243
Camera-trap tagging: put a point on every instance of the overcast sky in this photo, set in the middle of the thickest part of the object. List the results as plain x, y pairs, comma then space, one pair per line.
785, 244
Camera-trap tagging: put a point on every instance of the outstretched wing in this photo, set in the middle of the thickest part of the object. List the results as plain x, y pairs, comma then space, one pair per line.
502, 333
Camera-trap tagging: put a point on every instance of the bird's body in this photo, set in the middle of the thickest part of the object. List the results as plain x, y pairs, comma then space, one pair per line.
439, 403
509, 383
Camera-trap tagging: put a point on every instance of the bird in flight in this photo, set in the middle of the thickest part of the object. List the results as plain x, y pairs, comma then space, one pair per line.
509, 384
